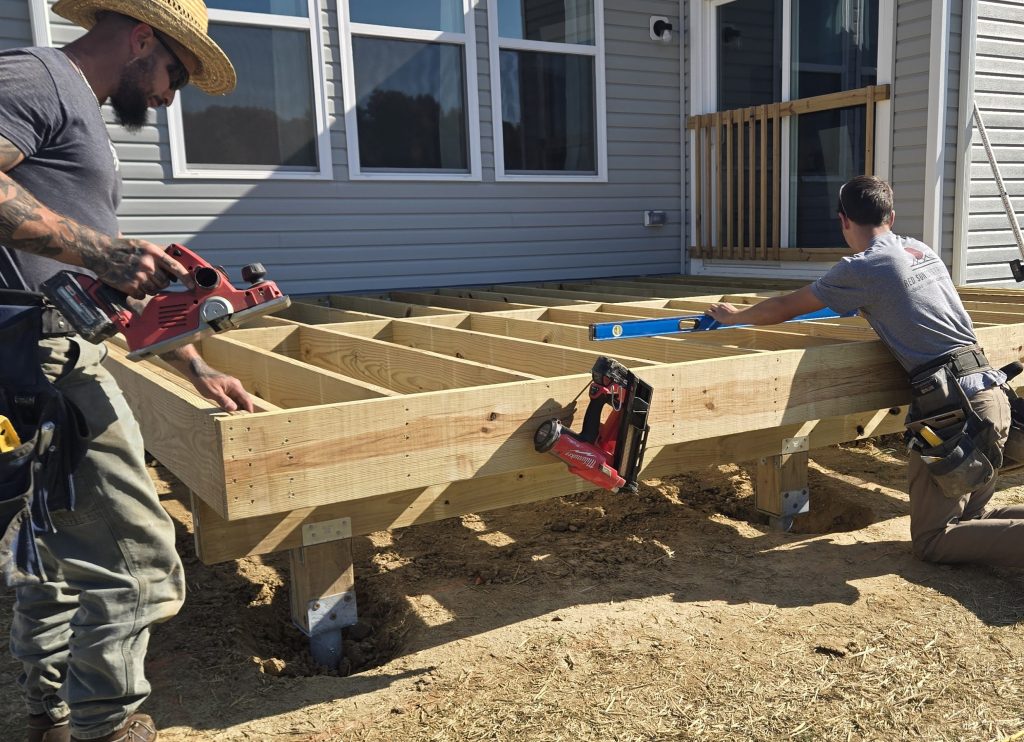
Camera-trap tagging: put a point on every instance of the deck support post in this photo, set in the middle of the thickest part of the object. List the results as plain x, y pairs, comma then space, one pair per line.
323, 598
781, 489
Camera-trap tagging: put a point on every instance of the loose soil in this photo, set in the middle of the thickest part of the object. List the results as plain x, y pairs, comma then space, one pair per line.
675, 613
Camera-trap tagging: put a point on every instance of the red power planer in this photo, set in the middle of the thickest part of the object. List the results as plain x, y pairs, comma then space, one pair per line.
609, 455
172, 318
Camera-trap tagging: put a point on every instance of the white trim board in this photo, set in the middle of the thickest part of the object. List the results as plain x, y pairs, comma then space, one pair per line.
935, 137
965, 140
39, 16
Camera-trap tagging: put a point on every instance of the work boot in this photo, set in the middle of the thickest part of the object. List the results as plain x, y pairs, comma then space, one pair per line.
41, 728
136, 728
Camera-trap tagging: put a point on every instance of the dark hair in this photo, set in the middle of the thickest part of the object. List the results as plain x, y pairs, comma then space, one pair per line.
866, 200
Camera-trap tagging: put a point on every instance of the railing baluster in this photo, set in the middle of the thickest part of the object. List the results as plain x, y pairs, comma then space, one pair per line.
776, 178
752, 208
763, 115
731, 242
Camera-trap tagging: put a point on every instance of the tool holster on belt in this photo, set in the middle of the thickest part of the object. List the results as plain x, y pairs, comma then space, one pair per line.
960, 449
52, 437
1013, 449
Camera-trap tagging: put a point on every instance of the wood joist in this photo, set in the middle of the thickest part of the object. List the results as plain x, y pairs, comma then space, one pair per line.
419, 405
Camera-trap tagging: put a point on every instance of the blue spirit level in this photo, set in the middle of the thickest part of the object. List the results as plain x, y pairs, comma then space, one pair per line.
643, 328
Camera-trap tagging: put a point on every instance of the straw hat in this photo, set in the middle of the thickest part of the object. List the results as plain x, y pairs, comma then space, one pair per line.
185, 21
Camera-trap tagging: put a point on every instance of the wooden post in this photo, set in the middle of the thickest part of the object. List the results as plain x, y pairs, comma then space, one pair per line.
323, 599
780, 489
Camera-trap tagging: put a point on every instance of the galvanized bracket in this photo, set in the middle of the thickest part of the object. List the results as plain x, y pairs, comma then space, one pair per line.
326, 531
330, 613
795, 445
796, 502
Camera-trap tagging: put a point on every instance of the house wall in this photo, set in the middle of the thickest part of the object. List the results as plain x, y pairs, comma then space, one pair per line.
15, 26
342, 235
999, 93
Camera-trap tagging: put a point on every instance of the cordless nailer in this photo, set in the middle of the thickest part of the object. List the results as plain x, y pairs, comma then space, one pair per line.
611, 454
172, 318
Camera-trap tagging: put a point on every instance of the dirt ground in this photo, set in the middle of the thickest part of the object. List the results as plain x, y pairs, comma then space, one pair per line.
674, 614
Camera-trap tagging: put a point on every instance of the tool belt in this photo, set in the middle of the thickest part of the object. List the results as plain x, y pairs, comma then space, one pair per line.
959, 448
49, 440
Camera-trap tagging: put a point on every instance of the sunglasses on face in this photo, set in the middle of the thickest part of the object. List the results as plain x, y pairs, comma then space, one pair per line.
178, 72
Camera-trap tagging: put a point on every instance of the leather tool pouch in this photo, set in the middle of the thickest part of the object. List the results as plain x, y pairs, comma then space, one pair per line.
960, 449
35, 476
1013, 450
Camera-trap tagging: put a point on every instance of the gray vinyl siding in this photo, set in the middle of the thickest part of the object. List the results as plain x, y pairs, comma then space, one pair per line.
15, 26
345, 235
999, 93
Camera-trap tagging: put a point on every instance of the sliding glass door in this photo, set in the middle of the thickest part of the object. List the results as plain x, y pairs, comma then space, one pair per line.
766, 51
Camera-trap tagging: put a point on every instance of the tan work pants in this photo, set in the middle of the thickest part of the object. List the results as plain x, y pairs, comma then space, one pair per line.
948, 530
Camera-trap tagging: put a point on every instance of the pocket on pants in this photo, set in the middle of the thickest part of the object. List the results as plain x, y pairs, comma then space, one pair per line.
958, 466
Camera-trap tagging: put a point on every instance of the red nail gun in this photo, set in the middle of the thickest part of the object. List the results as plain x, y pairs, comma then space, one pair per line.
609, 455
171, 318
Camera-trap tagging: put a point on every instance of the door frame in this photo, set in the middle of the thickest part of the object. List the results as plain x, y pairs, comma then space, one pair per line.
703, 74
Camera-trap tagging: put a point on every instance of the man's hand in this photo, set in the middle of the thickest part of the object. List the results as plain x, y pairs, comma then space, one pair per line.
225, 390
723, 312
136, 267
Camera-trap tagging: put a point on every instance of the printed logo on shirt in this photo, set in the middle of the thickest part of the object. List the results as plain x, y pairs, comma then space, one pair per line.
916, 254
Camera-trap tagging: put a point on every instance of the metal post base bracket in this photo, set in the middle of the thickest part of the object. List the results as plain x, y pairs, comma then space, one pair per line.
325, 618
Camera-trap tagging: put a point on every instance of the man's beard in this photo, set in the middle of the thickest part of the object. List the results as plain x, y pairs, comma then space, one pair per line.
130, 101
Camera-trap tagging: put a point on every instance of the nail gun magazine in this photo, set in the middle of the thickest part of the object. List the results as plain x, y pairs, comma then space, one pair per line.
174, 317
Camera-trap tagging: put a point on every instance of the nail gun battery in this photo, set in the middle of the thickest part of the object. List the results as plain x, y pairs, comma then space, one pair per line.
71, 299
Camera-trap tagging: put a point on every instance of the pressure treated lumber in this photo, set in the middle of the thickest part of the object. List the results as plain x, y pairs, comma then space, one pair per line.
219, 540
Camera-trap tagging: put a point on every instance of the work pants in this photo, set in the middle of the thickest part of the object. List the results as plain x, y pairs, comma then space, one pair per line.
112, 566
951, 530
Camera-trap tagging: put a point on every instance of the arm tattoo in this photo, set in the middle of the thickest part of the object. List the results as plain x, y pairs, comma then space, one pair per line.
27, 225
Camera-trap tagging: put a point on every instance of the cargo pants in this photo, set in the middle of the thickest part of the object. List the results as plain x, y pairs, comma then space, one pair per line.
113, 570
951, 530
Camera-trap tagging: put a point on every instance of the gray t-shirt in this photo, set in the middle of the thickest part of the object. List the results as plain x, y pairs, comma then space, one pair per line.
904, 291
49, 112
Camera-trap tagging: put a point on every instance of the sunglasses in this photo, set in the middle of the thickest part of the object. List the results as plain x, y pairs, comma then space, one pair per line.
178, 72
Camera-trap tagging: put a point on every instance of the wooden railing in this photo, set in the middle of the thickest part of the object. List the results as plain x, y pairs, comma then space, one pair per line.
738, 191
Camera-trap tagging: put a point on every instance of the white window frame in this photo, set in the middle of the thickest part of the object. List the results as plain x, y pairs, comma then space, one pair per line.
704, 88
180, 167
496, 43
466, 39
39, 17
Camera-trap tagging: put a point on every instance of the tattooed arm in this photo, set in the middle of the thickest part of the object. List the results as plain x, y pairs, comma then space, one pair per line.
225, 390
136, 267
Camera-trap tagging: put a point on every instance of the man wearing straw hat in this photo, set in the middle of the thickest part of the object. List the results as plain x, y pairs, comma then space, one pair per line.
111, 566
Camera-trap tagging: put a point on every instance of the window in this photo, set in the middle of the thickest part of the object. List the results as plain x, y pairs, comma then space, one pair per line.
273, 125
548, 90
410, 86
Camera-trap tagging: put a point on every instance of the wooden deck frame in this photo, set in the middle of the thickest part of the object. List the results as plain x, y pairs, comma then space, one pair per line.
422, 411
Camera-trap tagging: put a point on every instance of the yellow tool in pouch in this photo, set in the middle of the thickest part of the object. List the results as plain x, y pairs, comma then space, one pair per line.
9, 439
